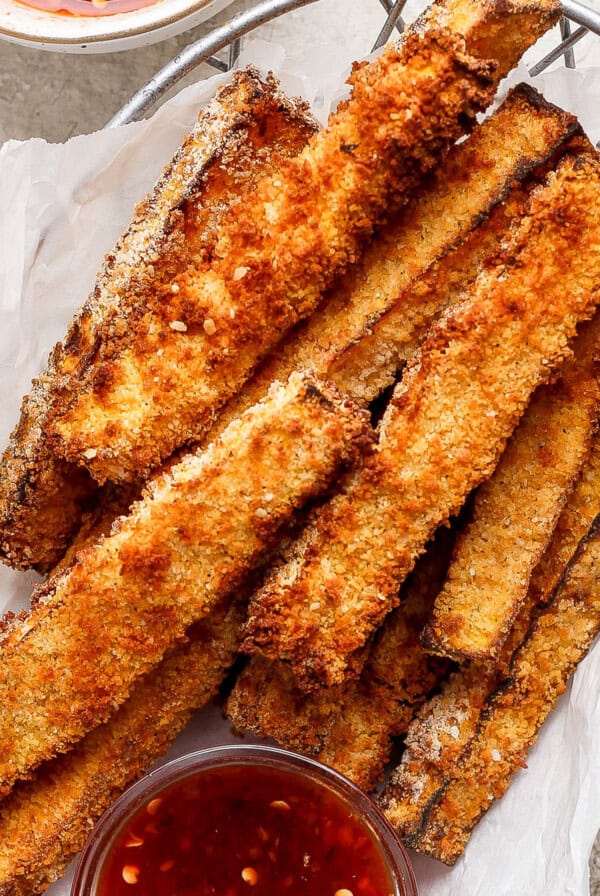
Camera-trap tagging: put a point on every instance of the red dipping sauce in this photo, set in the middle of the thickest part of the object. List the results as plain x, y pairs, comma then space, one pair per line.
244, 821
87, 7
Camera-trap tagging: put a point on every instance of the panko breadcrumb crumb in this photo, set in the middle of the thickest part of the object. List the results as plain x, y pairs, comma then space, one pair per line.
241, 134
406, 109
446, 725
442, 434
107, 620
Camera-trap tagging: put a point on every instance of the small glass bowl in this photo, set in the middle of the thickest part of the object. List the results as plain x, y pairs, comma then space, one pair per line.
99, 845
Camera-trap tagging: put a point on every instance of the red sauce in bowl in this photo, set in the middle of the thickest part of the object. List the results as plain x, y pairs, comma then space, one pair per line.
87, 7
240, 830
243, 820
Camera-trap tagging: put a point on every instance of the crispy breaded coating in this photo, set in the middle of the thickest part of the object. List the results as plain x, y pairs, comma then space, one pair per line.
244, 132
441, 435
368, 326
374, 319
195, 347
516, 510
199, 527
345, 340
113, 502
583, 504
44, 822
560, 637
375, 360
443, 729
351, 727
370, 364
487, 25
434, 743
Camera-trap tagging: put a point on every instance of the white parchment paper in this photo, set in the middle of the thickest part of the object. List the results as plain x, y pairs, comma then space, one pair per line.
63, 206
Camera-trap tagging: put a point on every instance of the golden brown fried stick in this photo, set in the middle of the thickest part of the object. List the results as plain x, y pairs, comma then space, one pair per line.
363, 333
374, 319
199, 527
44, 822
351, 727
441, 435
516, 510
372, 322
582, 506
113, 502
478, 176
194, 347
561, 635
240, 135
446, 725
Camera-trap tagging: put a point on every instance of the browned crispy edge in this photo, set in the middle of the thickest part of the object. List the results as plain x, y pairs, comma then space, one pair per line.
42, 497
351, 727
282, 621
560, 636
441, 733
531, 483
497, 39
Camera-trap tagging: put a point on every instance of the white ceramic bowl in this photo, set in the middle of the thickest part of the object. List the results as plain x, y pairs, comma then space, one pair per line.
100, 34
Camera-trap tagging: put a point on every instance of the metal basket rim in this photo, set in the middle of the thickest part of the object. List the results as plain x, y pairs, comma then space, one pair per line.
230, 34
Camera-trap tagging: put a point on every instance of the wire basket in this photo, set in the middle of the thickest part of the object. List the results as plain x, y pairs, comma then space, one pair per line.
228, 37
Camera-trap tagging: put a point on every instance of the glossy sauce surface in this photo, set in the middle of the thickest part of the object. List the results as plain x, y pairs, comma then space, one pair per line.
240, 830
87, 7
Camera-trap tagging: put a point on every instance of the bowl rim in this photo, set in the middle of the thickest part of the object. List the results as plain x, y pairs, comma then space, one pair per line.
55, 30
150, 785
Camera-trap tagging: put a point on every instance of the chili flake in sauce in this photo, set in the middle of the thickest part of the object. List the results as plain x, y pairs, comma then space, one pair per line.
245, 831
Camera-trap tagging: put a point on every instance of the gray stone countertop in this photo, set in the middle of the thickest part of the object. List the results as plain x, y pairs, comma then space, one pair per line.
56, 95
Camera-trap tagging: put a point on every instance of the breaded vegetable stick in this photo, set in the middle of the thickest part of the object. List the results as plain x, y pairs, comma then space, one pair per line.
560, 637
362, 335
184, 547
477, 187
44, 822
582, 506
515, 511
351, 727
244, 132
373, 321
368, 326
445, 726
299, 230
442, 434
434, 743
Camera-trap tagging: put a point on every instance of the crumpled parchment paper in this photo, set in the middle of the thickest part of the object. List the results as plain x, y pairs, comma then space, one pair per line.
63, 206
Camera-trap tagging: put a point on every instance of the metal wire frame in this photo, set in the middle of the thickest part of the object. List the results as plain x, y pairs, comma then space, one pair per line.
230, 35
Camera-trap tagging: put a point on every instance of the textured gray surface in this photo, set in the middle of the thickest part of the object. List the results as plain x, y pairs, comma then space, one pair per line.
55, 96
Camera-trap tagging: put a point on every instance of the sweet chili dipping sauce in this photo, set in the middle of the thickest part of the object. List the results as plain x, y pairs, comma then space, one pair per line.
244, 828
87, 7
